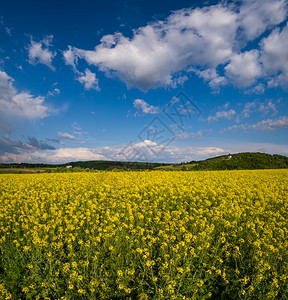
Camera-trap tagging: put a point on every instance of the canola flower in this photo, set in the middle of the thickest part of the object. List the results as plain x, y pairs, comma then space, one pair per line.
144, 235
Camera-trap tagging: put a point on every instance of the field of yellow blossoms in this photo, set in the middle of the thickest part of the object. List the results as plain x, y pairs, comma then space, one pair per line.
144, 235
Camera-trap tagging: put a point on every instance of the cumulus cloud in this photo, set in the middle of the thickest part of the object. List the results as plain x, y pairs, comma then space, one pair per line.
89, 80
144, 107
270, 124
204, 38
244, 68
15, 105
256, 16
60, 155
39, 52
274, 56
70, 58
159, 50
211, 75
228, 115
70, 154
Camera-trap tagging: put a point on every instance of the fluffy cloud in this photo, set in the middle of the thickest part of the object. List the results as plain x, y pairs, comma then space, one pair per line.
274, 56
15, 105
271, 125
89, 80
70, 58
205, 37
39, 52
228, 115
264, 107
144, 107
264, 125
211, 75
158, 51
256, 16
70, 154
244, 68
60, 155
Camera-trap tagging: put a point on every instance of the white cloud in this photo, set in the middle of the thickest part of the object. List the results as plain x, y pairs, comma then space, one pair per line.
257, 89
66, 136
89, 80
264, 107
211, 75
151, 151
158, 51
70, 58
249, 108
264, 125
244, 68
61, 155
257, 15
274, 56
39, 52
56, 91
228, 115
146, 108
202, 38
271, 125
14, 104
267, 107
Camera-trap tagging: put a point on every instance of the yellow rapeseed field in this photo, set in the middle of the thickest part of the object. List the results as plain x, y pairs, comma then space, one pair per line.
144, 235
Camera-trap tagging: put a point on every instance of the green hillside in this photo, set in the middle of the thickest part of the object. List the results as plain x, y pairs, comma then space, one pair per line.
239, 161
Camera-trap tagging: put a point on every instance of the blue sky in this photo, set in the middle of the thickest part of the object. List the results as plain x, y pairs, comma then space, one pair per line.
142, 80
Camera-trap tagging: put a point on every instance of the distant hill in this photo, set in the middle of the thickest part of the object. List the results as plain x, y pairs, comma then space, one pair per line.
110, 165
239, 161
94, 164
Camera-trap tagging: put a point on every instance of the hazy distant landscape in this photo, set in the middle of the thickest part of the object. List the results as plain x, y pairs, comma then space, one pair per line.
239, 161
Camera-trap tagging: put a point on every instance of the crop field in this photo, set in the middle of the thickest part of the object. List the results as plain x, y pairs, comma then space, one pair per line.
144, 235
